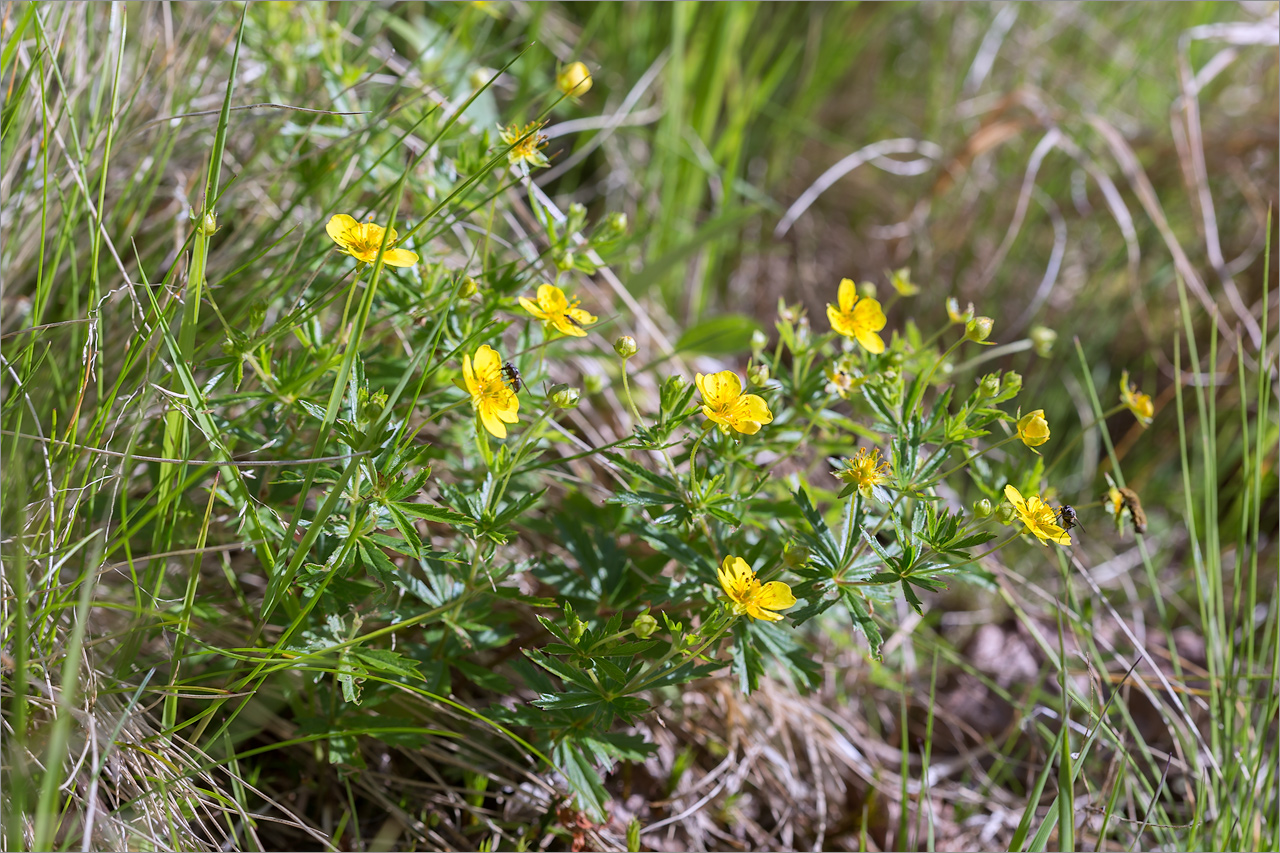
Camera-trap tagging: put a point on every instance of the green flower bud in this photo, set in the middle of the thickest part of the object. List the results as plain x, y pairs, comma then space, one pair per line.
565, 397
982, 508
1010, 384
867, 290
1005, 513
1042, 338
758, 374
759, 340
207, 224
795, 556
564, 262
625, 347
990, 385
593, 383
978, 329
643, 626
468, 288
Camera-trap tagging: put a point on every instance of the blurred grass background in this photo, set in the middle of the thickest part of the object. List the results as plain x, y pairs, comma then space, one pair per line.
1052, 167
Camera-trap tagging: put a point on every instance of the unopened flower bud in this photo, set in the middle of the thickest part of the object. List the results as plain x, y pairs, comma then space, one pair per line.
468, 288
625, 347
565, 397
759, 340
574, 79
758, 374
643, 626
867, 289
1006, 513
978, 329
207, 224
1010, 384
983, 508
564, 262
795, 556
1042, 338
593, 383
990, 385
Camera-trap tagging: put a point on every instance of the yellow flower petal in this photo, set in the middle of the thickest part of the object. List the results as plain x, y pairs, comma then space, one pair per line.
847, 295
399, 257
469, 376
487, 363
735, 577
339, 226
775, 595
870, 341
532, 307
552, 299
720, 388
492, 423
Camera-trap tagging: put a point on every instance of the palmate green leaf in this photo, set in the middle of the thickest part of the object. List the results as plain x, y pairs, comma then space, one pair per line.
582, 776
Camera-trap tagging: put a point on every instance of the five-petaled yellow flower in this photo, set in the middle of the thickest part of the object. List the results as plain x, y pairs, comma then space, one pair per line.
1038, 517
1033, 429
726, 405
748, 595
866, 470
1135, 401
857, 317
526, 146
361, 240
491, 396
556, 309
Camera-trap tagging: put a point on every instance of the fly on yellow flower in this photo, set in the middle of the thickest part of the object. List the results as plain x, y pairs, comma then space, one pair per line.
1135, 401
361, 240
558, 310
491, 396
1038, 517
1033, 429
726, 405
748, 595
857, 317
526, 147
866, 471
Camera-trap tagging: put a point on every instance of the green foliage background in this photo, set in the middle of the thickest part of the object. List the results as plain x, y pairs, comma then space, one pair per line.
267, 584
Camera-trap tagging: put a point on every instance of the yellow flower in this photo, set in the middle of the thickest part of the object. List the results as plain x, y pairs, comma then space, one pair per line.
574, 79
555, 308
1038, 517
857, 318
726, 405
1135, 401
526, 146
866, 470
491, 396
748, 595
901, 281
1033, 429
361, 241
